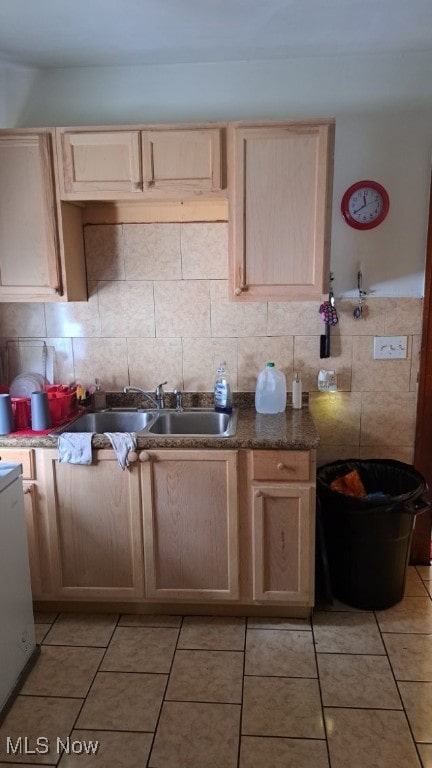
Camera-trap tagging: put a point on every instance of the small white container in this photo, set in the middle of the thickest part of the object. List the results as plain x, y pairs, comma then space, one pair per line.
270, 392
297, 392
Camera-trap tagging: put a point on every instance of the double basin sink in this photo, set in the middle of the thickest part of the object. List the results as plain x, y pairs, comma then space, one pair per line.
193, 422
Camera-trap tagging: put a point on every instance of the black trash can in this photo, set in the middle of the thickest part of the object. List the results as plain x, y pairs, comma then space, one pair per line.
368, 538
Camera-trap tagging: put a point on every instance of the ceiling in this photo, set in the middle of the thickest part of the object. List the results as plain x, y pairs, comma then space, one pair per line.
59, 33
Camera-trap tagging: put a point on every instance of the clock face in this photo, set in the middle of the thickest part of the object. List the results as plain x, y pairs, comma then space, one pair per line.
365, 205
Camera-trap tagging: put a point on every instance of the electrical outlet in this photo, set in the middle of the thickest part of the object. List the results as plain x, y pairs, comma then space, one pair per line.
390, 347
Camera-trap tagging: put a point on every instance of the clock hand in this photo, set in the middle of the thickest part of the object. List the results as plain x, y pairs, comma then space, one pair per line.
364, 198
364, 206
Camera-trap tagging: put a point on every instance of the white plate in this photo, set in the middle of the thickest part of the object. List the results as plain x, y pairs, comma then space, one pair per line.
26, 383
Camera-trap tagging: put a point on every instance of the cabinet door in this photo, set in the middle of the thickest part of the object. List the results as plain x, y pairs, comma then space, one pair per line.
33, 544
191, 525
280, 211
29, 245
95, 528
283, 531
99, 162
182, 161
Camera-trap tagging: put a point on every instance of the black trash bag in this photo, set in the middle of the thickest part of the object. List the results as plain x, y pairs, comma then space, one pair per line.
368, 538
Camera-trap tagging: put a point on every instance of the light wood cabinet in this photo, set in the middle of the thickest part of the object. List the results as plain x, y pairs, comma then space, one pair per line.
95, 532
203, 527
32, 510
283, 536
279, 210
190, 524
282, 504
34, 546
41, 243
147, 163
99, 161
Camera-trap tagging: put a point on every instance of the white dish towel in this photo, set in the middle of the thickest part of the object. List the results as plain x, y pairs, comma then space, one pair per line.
122, 442
75, 447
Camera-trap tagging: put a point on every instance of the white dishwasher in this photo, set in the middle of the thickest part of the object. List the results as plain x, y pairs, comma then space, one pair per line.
17, 633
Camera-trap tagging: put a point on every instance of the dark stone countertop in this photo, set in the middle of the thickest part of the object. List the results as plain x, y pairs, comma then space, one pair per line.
292, 430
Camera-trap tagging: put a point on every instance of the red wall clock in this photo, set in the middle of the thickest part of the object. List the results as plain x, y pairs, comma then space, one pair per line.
365, 204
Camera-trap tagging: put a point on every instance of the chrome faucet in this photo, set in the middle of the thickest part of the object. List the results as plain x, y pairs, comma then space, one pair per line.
153, 398
179, 399
160, 395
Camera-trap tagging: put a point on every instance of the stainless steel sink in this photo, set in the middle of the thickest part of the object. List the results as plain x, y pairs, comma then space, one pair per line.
196, 422
110, 421
193, 422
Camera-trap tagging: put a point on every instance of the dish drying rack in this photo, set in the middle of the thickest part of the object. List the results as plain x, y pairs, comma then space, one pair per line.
29, 356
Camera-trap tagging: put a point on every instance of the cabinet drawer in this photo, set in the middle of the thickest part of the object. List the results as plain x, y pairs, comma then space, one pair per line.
24, 456
280, 465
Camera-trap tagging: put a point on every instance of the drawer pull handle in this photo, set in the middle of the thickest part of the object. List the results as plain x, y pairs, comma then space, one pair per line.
132, 457
144, 456
281, 466
258, 494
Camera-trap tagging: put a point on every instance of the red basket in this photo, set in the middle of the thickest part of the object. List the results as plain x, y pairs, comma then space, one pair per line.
62, 403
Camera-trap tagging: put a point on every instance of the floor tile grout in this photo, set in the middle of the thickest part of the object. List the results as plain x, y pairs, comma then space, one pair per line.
283, 640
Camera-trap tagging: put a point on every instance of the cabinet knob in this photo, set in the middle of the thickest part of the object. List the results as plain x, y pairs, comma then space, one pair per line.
238, 291
258, 494
26, 489
281, 466
144, 456
132, 457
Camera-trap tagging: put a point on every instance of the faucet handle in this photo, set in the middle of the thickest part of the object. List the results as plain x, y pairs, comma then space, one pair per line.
179, 399
160, 395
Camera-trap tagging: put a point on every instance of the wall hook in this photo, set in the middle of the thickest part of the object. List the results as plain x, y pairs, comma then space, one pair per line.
358, 310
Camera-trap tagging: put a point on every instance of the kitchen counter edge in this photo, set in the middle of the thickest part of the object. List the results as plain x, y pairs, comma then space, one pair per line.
291, 430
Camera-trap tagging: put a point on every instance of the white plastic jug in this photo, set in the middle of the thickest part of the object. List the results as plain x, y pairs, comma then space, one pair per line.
271, 391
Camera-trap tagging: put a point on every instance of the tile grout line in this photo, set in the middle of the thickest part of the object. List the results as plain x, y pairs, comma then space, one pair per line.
396, 682
242, 691
320, 691
179, 629
93, 679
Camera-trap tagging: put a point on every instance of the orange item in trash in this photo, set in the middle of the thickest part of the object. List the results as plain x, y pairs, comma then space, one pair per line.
350, 484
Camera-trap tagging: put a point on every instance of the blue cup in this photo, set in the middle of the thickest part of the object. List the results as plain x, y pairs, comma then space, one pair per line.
40, 415
7, 424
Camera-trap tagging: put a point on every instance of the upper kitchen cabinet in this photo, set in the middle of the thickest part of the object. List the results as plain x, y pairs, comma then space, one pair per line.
140, 163
280, 183
41, 243
96, 163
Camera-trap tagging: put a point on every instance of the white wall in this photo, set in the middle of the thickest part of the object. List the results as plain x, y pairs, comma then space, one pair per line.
383, 111
16, 84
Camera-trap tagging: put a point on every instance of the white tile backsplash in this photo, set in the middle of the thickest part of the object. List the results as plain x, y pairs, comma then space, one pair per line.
159, 309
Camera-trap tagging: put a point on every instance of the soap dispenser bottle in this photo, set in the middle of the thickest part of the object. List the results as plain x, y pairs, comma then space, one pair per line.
222, 390
296, 392
99, 396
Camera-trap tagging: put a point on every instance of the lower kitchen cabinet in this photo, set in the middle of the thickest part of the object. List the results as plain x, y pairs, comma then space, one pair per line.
283, 530
190, 524
178, 526
95, 532
32, 512
33, 542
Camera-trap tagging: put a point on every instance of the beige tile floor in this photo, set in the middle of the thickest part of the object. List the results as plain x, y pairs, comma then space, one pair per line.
348, 689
